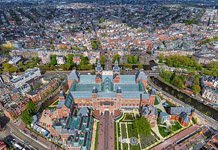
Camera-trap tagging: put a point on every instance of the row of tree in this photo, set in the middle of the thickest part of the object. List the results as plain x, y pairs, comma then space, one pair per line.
131, 59
27, 114
179, 80
173, 78
179, 61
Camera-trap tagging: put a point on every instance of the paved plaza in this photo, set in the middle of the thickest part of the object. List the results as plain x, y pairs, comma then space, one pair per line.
106, 132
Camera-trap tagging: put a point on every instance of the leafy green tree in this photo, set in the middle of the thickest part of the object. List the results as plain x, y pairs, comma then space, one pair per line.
143, 126
84, 60
132, 59
26, 117
70, 58
178, 82
196, 88
27, 114
103, 59
161, 58
53, 60
116, 57
9, 68
182, 62
95, 44
166, 75
127, 66
140, 66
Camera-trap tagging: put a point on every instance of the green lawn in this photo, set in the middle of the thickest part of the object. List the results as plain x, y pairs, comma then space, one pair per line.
163, 131
123, 130
134, 147
96, 136
194, 120
56, 102
142, 126
125, 146
115, 138
156, 100
176, 127
119, 144
147, 140
132, 131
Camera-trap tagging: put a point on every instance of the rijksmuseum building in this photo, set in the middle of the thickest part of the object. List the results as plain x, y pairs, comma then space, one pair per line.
108, 90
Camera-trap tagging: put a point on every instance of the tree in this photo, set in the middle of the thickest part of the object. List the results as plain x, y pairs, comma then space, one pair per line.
84, 60
178, 82
7, 46
26, 118
166, 75
161, 58
9, 68
143, 126
103, 60
196, 88
53, 60
70, 58
95, 44
182, 62
127, 66
196, 85
31, 107
116, 57
27, 114
140, 66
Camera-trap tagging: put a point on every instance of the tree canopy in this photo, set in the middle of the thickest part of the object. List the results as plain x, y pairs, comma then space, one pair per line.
133, 59
116, 57
179, 61
9, 68
53, 60
143, 126
103, 59
27, 114
173, 78
95, 44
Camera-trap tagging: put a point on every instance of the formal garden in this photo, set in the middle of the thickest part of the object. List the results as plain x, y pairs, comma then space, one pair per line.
167, 130
130, 129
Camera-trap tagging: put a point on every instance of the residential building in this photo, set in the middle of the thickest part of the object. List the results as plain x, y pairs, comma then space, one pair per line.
164, 117
26, 76
60, 60
43, 92
15, 60
3, 146
181, 114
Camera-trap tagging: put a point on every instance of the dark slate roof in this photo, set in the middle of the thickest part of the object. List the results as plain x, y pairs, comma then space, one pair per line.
98, 68
74, 75
184, 116
178, 110
140, 75
116, 67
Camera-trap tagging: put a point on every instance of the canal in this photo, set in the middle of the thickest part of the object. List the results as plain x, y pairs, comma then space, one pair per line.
187, 99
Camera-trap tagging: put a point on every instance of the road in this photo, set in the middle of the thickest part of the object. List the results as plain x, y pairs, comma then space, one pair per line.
106, 132
27, 136
33, 142
204, 119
